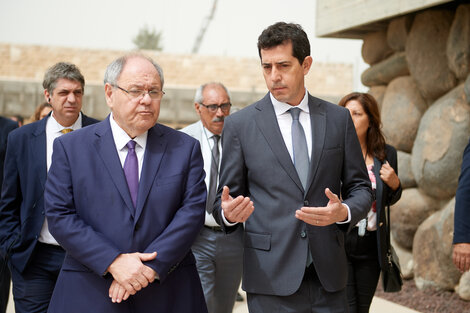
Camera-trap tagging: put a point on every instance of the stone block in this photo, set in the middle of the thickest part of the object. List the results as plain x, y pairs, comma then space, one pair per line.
397, 32
426, 53
442, 136
408, 213
385, 71
375, 47
458, 43
432, 253
402, 110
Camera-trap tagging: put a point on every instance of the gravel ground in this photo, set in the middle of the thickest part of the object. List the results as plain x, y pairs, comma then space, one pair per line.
425, 301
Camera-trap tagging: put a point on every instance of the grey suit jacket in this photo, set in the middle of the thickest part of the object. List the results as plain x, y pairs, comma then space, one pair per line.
257, 164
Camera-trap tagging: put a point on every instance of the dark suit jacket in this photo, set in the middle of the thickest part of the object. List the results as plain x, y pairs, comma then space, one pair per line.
384, 195
257, 164
6, 126
462, 202
90, 213
22, 203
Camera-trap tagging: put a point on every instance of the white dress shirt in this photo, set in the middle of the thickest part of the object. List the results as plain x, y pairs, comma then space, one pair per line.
53, 130
207, 142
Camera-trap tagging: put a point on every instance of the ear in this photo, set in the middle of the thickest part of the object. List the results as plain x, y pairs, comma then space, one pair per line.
197, 107
307, 64
108, 93
47, 96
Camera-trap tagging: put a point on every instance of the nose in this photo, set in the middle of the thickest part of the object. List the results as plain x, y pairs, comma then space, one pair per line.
71, 98
275, 74
146, 99
219, 112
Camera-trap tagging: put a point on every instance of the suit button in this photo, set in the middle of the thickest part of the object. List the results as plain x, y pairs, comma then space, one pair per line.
42, 212
306, 203
303, 234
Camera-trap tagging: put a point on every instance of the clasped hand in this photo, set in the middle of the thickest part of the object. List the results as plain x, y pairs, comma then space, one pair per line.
130, 275
333, 212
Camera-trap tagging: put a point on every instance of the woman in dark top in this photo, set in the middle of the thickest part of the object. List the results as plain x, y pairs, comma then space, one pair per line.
366, 243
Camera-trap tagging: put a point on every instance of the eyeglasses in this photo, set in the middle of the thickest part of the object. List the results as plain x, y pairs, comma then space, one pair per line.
225, 107
140, 93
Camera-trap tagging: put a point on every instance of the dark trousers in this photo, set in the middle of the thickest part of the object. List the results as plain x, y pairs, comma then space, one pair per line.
32, 289
363, 270
4, 285
311, 297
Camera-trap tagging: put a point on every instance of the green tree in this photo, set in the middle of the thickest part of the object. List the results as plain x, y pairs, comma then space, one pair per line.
148, 39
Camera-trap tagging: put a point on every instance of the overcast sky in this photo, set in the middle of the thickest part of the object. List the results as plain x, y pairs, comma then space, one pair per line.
112, 24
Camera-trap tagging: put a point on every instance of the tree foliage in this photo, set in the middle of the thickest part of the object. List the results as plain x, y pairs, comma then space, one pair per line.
148, 39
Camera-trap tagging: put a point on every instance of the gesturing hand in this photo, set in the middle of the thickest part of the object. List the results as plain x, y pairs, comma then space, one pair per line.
333, 212
130, 274
236, 210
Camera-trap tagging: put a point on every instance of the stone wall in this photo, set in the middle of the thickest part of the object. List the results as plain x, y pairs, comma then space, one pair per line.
22, 69
420, 73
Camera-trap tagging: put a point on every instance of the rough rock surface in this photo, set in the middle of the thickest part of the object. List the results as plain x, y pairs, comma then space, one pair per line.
384, 71
442, 136
458, 43
426, 53
433, 266
405, 173
408, 213
375, 47
402, 110
397, 32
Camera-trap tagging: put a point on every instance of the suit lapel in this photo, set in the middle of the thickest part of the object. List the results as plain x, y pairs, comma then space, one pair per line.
318, 127
154, 151
106, 149
269, 127
38, 150
379, 186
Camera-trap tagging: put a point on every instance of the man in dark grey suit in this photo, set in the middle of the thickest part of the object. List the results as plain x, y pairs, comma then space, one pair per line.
286, 160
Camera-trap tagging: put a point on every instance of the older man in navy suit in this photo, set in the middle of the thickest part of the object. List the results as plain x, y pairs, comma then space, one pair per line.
126, 199
34, 255
6, 126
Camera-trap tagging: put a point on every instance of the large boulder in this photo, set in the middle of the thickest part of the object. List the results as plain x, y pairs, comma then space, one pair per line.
378, 93
458, 43
426, 53
408, 213
405, 173
432, 255
442, 136
467, 88
383, 72
397, 32
463, 289
375, 47
402, 110
406, 259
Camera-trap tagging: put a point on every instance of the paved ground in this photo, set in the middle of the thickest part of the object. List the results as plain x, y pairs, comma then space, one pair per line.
378, 306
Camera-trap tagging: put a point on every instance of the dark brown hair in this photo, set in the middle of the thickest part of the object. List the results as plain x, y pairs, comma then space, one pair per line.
375, 140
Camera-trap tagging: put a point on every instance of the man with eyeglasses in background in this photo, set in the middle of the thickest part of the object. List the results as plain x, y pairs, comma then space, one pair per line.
33, 254
125, 198
218, 256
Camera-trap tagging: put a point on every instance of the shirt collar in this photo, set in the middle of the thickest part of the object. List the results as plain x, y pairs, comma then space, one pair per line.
56, 127
121, 138
282, 107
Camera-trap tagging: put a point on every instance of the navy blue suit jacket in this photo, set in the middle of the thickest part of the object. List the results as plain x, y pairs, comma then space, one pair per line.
90, 213
22, 202
462, 202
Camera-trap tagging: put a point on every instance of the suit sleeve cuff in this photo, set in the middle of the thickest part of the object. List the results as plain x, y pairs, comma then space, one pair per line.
349, 215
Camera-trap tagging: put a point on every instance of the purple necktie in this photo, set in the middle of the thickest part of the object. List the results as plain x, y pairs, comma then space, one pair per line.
131, 170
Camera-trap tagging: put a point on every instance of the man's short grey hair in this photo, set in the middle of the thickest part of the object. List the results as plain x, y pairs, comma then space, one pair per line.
62, 70
114, 69
198, 98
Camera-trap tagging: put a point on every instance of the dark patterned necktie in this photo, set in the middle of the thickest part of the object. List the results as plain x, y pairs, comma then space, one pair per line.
211, 193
